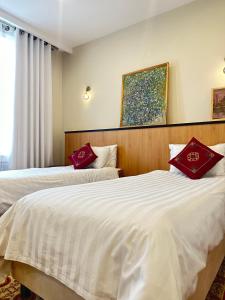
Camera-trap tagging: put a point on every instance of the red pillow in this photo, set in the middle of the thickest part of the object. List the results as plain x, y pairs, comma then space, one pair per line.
195, 159
83, 157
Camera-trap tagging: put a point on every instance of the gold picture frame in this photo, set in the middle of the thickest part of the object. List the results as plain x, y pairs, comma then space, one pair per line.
218, 104
145, 97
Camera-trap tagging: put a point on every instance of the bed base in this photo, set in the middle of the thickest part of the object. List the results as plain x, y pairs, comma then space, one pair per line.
208, 274
49, 288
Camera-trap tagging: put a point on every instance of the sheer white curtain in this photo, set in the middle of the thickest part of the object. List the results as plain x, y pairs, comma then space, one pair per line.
7, 76
32, 138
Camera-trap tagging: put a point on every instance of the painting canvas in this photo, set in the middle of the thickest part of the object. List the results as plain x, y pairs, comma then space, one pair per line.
218, 104
144, 98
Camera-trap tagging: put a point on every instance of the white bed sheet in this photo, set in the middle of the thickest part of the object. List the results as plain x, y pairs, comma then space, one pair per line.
16, 184
136, 238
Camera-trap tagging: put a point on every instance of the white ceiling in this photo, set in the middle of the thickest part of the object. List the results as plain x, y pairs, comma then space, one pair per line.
75, 22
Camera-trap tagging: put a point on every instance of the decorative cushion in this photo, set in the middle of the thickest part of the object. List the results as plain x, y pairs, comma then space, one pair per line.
195, 159
83, 157
217, 170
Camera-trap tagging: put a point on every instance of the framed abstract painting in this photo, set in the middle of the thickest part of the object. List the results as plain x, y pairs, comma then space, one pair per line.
144, 97
218, 104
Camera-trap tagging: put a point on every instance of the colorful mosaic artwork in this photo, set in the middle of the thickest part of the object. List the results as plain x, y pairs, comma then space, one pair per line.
144, 100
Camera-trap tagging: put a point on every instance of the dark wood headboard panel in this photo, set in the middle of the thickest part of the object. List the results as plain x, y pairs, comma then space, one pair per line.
145, 149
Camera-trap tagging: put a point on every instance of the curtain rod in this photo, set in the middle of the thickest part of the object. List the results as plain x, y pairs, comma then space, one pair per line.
7, 27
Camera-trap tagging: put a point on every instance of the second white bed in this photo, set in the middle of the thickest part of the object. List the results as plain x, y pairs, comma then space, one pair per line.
16, 184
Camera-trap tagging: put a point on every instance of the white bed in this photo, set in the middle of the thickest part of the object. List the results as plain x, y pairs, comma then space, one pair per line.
18, 183
137, 238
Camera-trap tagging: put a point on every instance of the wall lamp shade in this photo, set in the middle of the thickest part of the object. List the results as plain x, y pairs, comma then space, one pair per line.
87, 93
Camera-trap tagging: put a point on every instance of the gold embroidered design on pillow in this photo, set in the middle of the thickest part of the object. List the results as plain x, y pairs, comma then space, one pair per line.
194, 170
193, 156
81, 154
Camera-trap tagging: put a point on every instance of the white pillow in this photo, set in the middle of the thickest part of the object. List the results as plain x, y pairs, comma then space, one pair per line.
102, 159
217, 170
112, 160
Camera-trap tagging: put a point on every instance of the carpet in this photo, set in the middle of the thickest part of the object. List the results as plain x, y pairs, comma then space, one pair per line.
10, 288
217, 290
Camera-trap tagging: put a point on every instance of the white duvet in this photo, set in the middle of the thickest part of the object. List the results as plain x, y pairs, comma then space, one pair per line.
136, 238
16, 184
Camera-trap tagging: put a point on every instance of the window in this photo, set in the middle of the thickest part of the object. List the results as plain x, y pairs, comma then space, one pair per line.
7, 78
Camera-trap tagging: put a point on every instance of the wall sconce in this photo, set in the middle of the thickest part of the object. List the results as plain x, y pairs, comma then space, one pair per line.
224, 68
87, 93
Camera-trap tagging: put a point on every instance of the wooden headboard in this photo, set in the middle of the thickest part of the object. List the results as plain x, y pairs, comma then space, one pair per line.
141, 150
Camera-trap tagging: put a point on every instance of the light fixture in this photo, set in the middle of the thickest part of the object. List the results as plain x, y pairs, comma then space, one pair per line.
224, 68
87, 93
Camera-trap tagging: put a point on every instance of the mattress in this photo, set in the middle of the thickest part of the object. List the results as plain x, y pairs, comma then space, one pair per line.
16, 184
137, 238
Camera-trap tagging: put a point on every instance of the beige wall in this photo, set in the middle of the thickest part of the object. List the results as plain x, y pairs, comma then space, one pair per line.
191, 38
58, 130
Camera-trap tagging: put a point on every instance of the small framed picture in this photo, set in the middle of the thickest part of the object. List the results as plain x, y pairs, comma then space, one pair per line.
218, 104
